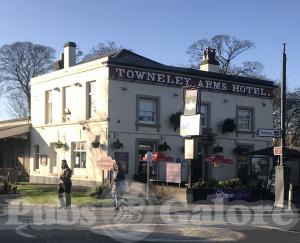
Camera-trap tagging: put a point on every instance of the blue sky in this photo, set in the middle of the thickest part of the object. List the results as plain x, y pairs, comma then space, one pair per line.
159, 29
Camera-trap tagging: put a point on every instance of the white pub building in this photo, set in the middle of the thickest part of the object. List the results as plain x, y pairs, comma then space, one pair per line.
120, 106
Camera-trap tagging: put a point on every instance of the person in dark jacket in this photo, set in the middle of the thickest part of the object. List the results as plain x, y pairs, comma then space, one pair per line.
117, 176
65, 185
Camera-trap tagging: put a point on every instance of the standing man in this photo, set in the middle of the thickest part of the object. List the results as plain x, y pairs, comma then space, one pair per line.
65, 185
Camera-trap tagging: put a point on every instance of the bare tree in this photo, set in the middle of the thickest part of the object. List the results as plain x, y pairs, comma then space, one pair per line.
102, 49
19, 62
227, 49
15, 104
292, 116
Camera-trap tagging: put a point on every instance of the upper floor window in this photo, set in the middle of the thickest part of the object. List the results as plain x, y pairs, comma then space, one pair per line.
204, 116
91, 100
66, 103
147, 110
48, 106
244, 119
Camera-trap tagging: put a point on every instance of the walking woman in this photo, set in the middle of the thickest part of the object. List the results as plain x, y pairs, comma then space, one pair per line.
117, 178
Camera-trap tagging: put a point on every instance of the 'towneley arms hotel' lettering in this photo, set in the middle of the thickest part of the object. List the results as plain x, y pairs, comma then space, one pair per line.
222, 86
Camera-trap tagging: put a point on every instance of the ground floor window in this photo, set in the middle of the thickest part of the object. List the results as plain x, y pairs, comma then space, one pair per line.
36, 157
79, 154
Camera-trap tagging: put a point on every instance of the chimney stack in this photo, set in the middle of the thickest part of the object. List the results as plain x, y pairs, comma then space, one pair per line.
69, 54
209, 62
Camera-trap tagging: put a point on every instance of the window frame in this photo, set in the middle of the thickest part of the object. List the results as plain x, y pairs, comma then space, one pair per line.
48, 107
81, 151
156, 123
89, 113
64, 104
207, 105
251, 119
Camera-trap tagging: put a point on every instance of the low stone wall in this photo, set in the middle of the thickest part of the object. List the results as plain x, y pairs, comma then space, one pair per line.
54, 180
160, 192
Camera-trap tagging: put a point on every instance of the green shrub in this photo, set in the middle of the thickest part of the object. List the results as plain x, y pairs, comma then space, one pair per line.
100, 192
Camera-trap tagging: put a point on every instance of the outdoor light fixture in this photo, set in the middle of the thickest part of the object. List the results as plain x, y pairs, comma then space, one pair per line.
77, 84
263, 103
225, 100
56, 89
175, 94
124, 88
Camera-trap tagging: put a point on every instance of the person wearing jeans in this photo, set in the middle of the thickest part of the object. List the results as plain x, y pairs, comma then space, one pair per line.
65, 185
116, 177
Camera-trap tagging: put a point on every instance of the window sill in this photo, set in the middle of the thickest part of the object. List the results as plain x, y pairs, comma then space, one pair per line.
245, 132
157, 126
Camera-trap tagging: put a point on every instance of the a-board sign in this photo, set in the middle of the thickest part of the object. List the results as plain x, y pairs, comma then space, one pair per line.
173, 172
105, 163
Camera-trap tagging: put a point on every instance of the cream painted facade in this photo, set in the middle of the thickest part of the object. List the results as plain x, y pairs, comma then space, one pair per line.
116, 118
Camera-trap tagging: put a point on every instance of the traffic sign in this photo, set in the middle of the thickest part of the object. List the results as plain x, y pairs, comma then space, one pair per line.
275, 133
277, 150
149, 156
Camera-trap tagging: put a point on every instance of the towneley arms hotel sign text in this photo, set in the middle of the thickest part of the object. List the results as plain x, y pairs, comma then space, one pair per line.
173, 79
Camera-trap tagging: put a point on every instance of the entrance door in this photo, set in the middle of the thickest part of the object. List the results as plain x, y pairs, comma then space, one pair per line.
142, 147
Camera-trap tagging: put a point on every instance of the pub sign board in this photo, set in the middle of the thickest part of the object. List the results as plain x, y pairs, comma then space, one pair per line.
189, 146
190, 125
133, 74
190, 101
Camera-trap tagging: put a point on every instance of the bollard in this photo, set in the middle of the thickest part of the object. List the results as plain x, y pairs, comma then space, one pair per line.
290, 196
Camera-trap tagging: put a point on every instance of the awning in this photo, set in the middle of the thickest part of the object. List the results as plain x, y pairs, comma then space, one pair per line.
290, 153
14, 131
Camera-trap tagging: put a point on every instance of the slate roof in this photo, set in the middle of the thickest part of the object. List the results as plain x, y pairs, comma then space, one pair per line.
129, 58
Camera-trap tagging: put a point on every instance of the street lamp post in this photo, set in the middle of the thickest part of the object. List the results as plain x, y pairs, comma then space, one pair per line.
281, 178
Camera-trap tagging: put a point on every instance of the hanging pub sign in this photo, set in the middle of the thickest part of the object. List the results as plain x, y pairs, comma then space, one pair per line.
189, 148
190, 102
190, 125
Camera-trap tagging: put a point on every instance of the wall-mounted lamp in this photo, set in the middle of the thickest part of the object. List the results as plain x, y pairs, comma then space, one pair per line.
77, 84
83, 127
67, 111
225, 100
263, 103
124, 88
175, 94
56, 89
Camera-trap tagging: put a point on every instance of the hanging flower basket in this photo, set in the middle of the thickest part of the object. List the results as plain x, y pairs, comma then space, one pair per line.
175, 120
164, 147
117, 144
58, 144
228, 125
217, 149
95, 144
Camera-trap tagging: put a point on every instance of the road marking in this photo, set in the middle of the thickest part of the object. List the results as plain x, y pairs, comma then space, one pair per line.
19, 231
275, 228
